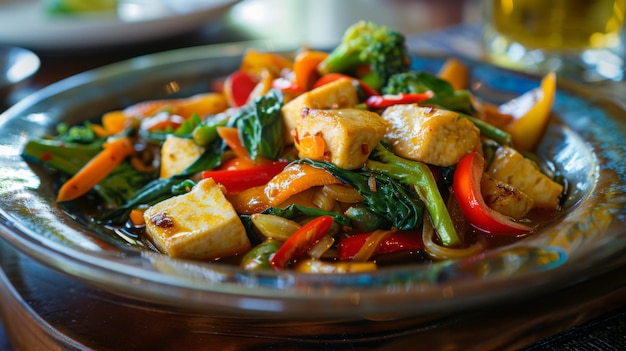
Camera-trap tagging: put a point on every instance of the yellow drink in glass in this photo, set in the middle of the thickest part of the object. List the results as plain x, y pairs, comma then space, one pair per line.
584, 37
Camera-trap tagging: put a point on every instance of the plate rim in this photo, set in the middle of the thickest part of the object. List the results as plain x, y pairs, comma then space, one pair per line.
32, 245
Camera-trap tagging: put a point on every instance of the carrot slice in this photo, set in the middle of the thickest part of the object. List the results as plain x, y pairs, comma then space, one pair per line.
230, 135
312, 146
136, 217
96, 169
294, 179
305, 68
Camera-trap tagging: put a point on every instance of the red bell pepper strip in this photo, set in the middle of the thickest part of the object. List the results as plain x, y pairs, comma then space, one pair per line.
241, 179
331, 77
238, 87
301, 241
380, 101
395, 241
466, 185
285, 85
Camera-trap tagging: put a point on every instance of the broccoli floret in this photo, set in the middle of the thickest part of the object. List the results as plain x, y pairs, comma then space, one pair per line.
366, 43
419, 81
414, 82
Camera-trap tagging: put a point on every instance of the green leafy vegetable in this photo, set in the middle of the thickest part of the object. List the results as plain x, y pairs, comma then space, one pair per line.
153, 192
418, 175
63, 156
260, 126
69, 158
297, 211
389, 201
163, 188
121, 184
364, 220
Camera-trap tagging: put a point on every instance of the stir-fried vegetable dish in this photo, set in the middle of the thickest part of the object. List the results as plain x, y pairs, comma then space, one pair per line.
320, 162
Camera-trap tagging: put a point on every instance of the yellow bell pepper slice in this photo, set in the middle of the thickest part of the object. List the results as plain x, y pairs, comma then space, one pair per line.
530, 112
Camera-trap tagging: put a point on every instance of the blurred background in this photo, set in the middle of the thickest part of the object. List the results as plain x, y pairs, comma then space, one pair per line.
70, 37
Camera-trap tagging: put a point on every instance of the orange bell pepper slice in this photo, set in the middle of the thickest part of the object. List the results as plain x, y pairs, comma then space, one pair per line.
294, 179
456, 73
305, 68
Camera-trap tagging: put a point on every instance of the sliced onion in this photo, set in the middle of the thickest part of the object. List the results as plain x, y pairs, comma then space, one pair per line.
323, 201
274, 227
342, 193
369, 247
439, 252
325, 243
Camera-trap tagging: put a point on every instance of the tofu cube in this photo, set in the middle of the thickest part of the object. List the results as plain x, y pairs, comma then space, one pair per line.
505, 198
177, 154
200, 224
338, 94
430, 135
509, 166
349, 135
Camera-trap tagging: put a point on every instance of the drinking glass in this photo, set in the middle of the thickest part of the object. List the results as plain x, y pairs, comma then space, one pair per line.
582, 39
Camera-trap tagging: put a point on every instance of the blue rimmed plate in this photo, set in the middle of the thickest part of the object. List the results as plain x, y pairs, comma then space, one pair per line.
585, 139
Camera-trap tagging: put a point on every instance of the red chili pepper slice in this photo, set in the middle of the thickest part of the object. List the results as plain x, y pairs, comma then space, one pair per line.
380, 101
466, 185
396, 241
241, 179
331, 77
301, 241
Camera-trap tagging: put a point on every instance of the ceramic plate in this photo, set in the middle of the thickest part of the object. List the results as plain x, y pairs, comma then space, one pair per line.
25, 23
586, 139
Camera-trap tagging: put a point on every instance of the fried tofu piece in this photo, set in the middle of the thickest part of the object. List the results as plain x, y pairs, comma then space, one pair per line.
338, 94
509, 166
430, 135
349, 135
201, 224
177, 154
505, 198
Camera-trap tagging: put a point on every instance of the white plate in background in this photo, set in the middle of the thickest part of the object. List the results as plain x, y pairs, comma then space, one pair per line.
25, 23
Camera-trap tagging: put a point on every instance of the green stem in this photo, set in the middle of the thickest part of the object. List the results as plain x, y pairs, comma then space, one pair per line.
418, 175
60, 155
